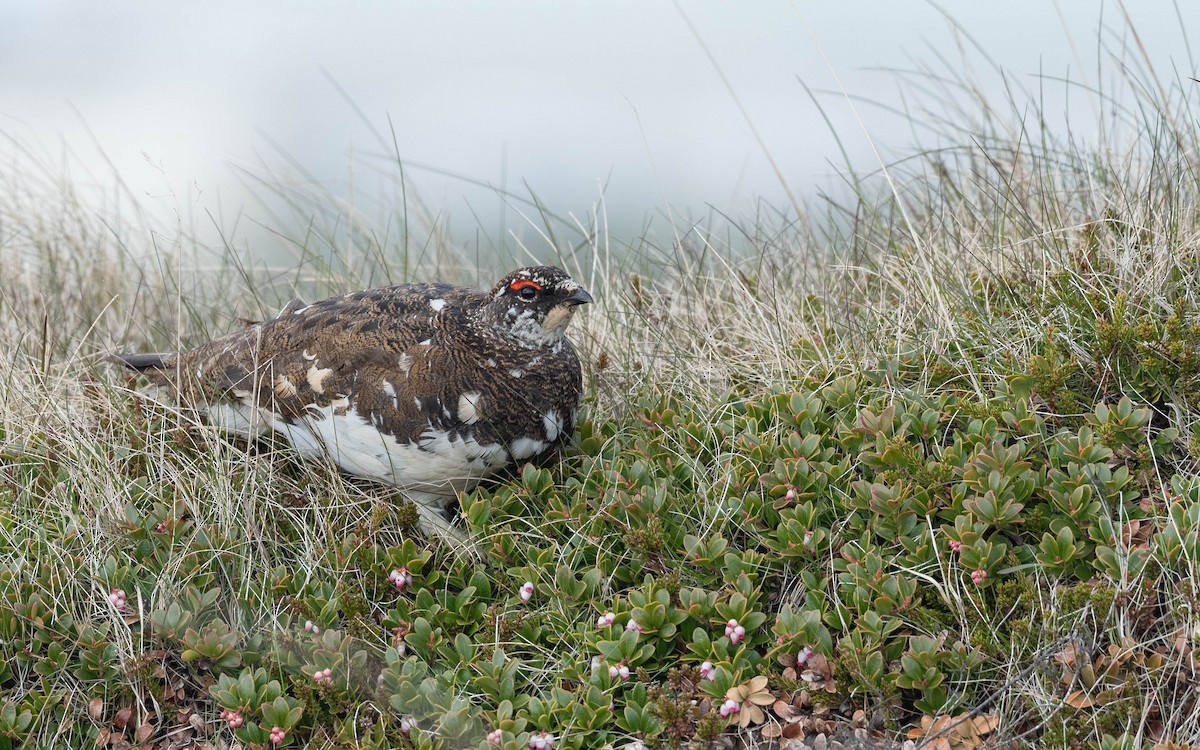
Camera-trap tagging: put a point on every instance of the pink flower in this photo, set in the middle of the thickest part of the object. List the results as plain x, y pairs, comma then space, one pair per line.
735, 632
730, 707
955, 546
277, 735
233, 718
542, 741
620, 670
407, 724
495, 737
117, 599
323, 676
605, 620
400, 578
979, 576
790, 495
804, 655
309, 627
633, 625
708, 671
526, 591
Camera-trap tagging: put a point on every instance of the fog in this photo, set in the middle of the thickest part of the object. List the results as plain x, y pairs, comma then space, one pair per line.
664, 109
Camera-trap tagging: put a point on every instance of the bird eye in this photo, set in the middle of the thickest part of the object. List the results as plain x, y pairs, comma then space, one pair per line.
527, 288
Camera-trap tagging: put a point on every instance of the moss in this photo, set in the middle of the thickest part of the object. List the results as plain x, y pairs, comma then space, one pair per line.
1086, 595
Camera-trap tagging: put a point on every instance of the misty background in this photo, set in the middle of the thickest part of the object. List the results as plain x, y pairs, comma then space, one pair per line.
667, 112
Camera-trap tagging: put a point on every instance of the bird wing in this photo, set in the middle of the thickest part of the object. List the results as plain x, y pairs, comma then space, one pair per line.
385, 354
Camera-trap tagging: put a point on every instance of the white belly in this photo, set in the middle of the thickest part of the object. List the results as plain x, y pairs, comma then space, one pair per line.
436, 464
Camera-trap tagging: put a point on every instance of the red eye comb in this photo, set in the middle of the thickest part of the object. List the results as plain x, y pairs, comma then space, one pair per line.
520, 284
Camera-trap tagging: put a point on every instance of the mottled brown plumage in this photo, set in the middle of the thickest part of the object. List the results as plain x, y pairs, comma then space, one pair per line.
426, 386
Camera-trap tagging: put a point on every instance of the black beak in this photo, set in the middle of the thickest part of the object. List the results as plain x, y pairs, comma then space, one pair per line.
580, 297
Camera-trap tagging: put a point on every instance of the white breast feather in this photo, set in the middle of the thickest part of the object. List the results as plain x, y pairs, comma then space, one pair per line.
436, 464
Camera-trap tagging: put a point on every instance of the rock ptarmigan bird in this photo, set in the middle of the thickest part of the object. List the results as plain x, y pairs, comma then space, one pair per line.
428, 387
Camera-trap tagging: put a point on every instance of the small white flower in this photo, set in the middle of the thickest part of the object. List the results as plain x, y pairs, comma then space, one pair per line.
619, 670
707, 671
804, 655
633, 625
606, 619
526, 591
730, 707
542, 741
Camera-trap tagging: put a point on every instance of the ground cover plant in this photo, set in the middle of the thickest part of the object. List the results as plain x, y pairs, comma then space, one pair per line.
920, 462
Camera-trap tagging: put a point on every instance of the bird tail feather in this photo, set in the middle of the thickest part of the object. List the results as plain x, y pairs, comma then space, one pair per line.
145, 363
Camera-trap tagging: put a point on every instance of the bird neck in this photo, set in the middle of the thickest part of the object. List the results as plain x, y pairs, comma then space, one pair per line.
525, 328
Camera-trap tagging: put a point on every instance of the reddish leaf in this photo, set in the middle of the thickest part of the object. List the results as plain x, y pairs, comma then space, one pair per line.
793, 732
122, 719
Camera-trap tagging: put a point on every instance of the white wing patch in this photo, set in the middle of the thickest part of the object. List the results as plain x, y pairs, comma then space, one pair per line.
316, 377
553, 422
468, 407
525, 447
437, 304
240, 419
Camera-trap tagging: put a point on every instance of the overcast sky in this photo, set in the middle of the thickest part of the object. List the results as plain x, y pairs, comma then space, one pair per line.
563, 96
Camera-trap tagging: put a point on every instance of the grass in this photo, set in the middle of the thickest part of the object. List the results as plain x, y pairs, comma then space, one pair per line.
936, 438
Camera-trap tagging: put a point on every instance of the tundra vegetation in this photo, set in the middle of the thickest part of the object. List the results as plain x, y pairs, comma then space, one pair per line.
918, 458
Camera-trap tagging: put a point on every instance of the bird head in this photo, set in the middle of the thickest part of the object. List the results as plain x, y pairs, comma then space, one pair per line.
535, 304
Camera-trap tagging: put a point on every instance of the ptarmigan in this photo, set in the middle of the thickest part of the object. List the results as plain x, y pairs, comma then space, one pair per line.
429, 387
